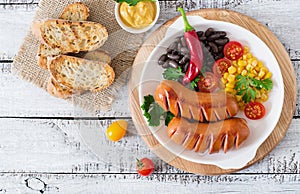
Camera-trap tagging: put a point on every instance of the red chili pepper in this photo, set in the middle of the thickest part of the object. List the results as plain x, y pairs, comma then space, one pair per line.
194, 45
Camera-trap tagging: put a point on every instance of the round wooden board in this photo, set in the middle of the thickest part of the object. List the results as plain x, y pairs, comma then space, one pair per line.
289, 88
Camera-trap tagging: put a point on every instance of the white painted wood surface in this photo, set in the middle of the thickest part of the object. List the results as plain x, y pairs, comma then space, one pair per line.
39, 136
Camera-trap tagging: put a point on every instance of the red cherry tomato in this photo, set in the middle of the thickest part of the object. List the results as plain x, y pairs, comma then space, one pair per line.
144, 166
254, 110
233, 50
208, 82
221, 66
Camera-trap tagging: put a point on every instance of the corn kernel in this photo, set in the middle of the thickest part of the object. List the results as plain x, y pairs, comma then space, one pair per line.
258, 94
254, 63
246, 49
268, 75
239, 70
229, 85
225, 75
259, 100
238, 98
261, 74
254, 72
224, 81
244, 72
257, 68
242, 63
258, 78
234, 63
241, 105
260, 64
251, 75
249, 67
231, 70
249, 55
264, 97
231, 78
228, 90
245, 57
264, 69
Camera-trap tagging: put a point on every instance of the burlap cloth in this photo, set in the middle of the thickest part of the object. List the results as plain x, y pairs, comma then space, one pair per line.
121, 45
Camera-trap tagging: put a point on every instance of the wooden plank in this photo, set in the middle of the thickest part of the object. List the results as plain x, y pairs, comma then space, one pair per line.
156, 183
56, 146
19, 17
23, 99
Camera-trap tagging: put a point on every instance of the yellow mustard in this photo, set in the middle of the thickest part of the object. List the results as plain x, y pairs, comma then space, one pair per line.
138, 16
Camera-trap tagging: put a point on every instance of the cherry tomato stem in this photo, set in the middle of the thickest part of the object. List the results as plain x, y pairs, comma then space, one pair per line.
144, 166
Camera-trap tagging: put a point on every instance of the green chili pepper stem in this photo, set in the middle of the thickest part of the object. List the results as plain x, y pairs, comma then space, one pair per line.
187, 26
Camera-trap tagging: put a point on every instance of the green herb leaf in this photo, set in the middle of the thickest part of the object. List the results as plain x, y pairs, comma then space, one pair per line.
245, 86
194, 83
148, 100
267, 84
168, 117
132, 2
172, 73
154, 113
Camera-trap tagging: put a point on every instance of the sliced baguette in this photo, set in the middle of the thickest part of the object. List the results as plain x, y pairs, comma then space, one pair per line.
98, 55
80, 74
74, 12
70, 36
58, 90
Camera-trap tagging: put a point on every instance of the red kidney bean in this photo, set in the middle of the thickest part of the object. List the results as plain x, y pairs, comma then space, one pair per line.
222, 41
162, 59
208, 32
173, 56
213, 47
173, 63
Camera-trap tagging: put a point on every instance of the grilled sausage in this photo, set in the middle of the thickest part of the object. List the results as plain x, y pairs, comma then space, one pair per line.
212, 136
203, 107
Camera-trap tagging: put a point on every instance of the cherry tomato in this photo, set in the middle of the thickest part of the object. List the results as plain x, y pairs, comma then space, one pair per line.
116, 130
208, 82
254, 110
144, 166
221, 66
233, 50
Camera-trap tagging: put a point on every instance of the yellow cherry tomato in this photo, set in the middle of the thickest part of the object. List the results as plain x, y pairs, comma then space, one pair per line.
116, 130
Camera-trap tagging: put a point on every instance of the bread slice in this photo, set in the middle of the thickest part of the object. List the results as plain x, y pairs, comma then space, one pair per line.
44, 52
58, 90
74, 12
98, 55
70, 36
80, 74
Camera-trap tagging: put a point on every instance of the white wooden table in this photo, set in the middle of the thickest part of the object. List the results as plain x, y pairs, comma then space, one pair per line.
41, 150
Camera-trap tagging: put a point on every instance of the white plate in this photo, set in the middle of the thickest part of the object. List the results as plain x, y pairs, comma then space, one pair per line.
259, 130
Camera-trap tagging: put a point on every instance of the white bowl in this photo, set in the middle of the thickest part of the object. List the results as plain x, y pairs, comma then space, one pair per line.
136, 30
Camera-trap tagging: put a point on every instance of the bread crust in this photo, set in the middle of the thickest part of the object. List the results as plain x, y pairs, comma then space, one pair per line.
74, 12
72, 36
59, 90
80, 74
